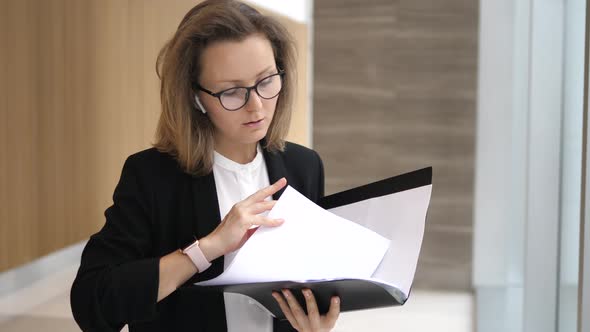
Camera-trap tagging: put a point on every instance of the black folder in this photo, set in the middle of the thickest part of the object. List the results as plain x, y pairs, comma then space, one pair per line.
355, 294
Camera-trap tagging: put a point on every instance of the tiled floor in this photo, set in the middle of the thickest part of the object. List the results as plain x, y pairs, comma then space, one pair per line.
44, 306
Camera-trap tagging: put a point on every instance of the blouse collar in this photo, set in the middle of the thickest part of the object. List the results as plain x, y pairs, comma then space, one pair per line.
233, 166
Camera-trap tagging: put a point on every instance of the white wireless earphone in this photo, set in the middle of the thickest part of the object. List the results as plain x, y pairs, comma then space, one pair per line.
199, 105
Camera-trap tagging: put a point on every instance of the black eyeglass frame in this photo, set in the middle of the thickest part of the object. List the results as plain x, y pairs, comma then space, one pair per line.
281, 74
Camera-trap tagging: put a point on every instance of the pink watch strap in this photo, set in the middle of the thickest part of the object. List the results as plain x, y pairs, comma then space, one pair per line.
197, 257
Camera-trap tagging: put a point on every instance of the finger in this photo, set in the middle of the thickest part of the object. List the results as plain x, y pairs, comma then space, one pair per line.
260, 207
296, 309
265, 221
333, 312
261, 194
312, 309
285, 308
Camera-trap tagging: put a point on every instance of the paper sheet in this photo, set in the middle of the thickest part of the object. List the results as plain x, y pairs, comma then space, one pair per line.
400, 217
312, 244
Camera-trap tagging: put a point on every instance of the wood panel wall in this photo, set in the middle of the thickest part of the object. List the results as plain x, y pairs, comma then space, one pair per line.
395, 81
78, 94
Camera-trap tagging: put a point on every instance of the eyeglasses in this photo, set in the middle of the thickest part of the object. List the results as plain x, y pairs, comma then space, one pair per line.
235, 98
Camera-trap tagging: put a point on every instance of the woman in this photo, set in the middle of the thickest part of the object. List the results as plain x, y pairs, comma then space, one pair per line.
183, 207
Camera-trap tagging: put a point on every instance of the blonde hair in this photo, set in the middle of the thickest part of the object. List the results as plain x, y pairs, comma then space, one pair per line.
184, 132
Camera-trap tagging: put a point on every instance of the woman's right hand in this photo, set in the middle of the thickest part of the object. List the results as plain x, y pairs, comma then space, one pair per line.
235, 229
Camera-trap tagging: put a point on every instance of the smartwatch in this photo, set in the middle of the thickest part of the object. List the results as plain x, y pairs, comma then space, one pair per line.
194, 252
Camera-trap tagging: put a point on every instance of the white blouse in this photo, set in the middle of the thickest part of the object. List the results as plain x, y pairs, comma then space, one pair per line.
234, 182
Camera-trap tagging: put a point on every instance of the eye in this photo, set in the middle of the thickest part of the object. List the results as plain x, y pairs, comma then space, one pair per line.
267, 81
231, 92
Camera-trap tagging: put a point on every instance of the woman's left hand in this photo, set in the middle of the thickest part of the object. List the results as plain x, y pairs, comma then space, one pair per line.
312, 322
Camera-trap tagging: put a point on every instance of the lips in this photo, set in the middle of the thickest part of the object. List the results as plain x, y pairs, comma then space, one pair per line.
253, 122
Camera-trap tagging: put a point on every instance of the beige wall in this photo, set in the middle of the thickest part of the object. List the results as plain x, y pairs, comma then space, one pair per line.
396, 81
79, 93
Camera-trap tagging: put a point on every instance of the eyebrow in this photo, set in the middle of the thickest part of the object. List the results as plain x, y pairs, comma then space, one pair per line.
265, 71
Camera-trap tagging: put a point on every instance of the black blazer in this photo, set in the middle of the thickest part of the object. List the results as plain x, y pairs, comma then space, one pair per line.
157, 208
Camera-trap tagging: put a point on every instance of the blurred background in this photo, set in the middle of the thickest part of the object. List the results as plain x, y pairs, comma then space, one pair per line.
491, 93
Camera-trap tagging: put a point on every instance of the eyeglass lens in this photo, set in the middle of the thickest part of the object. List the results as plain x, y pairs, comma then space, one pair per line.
268, 88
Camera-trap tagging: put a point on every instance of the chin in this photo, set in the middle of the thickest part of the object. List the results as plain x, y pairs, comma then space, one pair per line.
253, 138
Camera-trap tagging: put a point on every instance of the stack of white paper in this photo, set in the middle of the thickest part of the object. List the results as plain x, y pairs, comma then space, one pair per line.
311, 244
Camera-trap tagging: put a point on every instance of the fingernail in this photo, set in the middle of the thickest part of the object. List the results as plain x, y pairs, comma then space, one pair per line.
306, 293
285, 293
336, 300
275, 295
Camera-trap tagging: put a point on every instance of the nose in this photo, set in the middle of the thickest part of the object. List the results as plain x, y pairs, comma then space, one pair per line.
254, 102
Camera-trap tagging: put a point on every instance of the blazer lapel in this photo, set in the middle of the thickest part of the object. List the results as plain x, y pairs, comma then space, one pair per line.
275, 167
206, 216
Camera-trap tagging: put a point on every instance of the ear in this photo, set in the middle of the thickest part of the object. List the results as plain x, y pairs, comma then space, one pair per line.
199, 105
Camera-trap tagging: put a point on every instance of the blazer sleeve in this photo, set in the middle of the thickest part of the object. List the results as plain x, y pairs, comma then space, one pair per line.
117, 282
